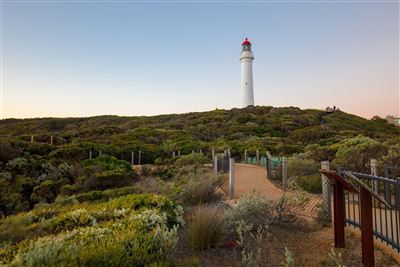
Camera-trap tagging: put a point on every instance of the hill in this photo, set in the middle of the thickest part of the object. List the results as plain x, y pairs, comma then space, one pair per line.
56, 203
37, 172
280, 130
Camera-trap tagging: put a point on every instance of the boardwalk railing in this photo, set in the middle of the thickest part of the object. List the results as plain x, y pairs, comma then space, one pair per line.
385, 208
370, 203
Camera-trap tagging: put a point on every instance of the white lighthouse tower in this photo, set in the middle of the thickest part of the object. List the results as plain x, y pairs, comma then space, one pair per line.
246, 62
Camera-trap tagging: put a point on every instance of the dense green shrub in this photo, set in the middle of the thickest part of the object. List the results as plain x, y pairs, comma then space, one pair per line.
8, 151
47, 191
191, 159
354, 154
137, 240
108, 163
15, 193
300, 165
311, 183
70, 152
62, 216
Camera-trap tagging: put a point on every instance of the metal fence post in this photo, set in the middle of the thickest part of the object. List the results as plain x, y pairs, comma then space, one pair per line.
268, 164
258, 157
374, 172
201, 151
284, 173
245, 156
232, 177
215, 161
99, 153
90, 154
51, 140
326, 194
173, 154
140, 156
132, 157
212, 154
179, 153
31, 138
193, 152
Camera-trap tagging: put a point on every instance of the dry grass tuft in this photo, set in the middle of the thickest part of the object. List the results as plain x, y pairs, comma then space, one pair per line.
206, 227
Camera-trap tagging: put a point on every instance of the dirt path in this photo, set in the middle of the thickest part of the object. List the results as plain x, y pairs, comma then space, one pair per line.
250, 179
310, 247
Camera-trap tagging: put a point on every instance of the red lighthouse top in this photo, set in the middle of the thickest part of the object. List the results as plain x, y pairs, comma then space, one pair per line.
246, 42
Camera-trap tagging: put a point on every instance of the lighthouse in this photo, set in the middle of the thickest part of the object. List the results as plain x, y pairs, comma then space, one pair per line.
246, 62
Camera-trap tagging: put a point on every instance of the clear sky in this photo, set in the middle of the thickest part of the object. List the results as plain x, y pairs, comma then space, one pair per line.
89, 58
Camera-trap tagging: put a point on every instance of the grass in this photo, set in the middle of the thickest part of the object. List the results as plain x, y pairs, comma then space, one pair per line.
206, 227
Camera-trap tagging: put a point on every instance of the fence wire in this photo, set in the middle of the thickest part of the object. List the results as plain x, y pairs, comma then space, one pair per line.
266, 179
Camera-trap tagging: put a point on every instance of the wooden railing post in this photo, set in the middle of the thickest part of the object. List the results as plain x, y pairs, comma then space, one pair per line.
338, 214
367, 239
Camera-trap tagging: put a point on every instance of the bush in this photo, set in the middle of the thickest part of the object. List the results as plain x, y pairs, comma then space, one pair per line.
70, 153
251, 209
199, 189
138, 228
190, 159
298, 166
354, 154
310, 183
206, 227
130, 242
304, 173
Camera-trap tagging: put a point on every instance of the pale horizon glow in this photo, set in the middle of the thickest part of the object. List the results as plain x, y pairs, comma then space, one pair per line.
134, 58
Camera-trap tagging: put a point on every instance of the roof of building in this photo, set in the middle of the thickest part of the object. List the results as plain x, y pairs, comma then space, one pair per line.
246, 42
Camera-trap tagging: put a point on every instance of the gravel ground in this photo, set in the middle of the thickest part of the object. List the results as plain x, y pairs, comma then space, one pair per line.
309, 245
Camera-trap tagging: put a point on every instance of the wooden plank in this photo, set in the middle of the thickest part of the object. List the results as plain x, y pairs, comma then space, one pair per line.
333, 175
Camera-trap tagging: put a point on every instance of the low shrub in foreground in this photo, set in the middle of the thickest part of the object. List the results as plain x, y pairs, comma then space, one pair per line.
56, 218
138, 240
252, 209
206, 227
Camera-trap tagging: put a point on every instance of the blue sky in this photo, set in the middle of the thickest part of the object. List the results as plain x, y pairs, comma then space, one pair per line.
88, 58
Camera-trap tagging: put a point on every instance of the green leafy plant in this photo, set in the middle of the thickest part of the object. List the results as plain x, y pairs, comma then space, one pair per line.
251, 243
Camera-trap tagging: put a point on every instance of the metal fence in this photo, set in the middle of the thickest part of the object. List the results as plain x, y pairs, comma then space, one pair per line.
252, 178
391, 171
385, 207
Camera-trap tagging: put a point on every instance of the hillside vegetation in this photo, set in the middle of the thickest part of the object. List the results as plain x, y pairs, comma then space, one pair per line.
58, 207
280, 130
37, 172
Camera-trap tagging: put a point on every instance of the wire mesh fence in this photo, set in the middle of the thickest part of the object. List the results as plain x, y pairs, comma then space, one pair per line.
267, 179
